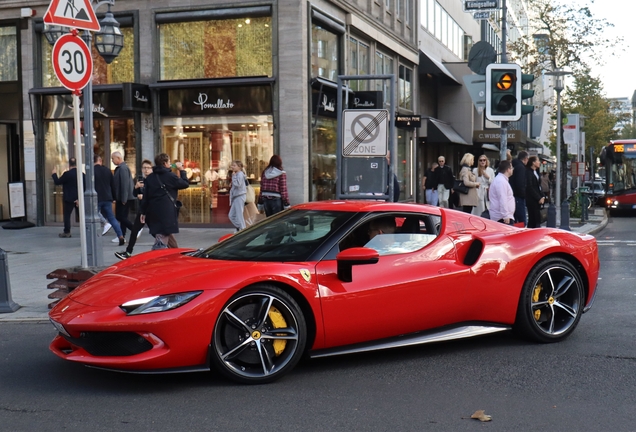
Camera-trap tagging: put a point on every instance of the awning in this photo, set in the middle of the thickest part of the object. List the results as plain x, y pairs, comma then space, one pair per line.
441, 132
429, 65
491, 147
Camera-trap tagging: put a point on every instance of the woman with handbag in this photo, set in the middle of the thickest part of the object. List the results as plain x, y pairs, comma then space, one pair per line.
159, 205
273, 197
485, 176
534, 195
238, 193
468, 201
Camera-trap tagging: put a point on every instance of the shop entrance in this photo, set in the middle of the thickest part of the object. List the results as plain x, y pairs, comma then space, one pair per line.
9, 164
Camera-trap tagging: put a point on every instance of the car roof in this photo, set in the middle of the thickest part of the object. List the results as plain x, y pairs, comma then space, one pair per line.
368, 206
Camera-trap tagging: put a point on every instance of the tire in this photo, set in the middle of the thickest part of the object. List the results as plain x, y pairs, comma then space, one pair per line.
551, 302
259, 336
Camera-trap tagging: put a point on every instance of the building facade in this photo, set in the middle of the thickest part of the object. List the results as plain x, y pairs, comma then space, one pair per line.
208, 83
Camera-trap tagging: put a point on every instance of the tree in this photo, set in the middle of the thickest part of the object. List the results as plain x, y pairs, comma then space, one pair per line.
586, 98
564, 36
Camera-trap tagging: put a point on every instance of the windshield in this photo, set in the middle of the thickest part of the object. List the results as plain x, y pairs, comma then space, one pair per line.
292, 235
622, 175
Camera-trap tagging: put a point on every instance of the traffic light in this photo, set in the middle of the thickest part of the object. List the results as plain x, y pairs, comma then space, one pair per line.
503, 92
526, 94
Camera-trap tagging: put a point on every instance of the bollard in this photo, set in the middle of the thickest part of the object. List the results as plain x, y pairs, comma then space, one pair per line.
551, 222
565, 216
6, 304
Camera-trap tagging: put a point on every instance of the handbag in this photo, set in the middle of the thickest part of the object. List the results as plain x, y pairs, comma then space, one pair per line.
460, 187
176, 203
486, 213
159, 244
250, 196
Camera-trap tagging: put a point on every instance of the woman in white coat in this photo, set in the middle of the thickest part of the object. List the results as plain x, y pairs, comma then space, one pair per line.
485, 176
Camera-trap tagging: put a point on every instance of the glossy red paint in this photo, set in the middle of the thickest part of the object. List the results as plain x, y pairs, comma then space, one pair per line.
400, 294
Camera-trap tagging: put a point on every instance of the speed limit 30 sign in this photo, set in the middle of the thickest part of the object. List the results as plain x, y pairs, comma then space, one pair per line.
72, 62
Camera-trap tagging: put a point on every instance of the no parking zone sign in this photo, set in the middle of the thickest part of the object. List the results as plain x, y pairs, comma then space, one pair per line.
72, 62
365, 133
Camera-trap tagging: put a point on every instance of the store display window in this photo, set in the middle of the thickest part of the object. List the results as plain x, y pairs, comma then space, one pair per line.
207, 146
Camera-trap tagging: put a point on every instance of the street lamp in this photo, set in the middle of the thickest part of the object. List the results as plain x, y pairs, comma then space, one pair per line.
109, 42
564, 208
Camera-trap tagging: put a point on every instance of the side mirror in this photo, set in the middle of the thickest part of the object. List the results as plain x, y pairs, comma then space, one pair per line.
354, 256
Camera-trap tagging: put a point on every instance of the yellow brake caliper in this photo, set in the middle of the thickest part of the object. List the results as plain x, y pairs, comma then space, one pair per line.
278, 321
535, 299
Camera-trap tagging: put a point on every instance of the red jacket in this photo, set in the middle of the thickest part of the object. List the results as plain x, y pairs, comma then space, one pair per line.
273, 185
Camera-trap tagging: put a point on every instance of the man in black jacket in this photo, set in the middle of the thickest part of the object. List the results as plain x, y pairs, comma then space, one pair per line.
69, 193
104, 189
444, 181
518, 182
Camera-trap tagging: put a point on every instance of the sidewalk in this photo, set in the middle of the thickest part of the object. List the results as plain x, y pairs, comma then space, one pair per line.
32, 253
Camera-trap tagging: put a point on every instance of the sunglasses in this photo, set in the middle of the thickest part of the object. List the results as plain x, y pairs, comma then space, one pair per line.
482, 160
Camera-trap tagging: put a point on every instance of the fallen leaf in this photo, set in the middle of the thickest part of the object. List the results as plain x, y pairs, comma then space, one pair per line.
481, 416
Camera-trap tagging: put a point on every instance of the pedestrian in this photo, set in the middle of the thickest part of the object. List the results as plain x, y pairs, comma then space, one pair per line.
392, 177
430, 191
104, 188
545, 185
273, 196
138, 226
518, 182
534, 194
123, 192
469, 200
502, 199
444, 181
159, 204
237, 195
485, 176
70, 197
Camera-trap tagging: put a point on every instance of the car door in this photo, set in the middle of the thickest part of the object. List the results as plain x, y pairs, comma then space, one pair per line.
404, 292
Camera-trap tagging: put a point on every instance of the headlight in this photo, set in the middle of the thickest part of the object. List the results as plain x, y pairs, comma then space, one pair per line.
158, 303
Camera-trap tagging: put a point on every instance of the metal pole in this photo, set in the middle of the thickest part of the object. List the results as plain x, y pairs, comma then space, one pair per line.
503, 139
7, 305
80, 182
95, 253
558, 154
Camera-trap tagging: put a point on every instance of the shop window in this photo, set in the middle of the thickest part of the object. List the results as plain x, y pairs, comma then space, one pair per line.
121, 70
324, 53
216, 48
383, 66
207, 146
323, 157
8, 54
405, 91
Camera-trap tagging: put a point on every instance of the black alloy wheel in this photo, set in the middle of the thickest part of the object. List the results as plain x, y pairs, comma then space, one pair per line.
259, 336
551, 301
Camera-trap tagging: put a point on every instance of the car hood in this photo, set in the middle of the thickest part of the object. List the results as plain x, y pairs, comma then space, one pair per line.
156, 276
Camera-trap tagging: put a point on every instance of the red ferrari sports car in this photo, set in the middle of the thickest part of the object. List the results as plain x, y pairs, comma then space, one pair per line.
327, 278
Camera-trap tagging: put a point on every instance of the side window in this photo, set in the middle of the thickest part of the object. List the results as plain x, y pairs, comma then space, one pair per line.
391, 234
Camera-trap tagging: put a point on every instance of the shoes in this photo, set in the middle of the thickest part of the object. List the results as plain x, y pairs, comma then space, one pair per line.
64, 235
122, 241
122, 255
107, 228
115, 240
139, 232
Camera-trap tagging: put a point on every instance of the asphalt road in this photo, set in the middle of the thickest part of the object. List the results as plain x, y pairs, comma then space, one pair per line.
585, 383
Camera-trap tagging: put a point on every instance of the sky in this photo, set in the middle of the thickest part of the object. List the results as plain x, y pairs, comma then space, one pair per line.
618, 74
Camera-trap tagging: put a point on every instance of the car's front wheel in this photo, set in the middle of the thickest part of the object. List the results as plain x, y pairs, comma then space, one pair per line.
259, 336
551, 302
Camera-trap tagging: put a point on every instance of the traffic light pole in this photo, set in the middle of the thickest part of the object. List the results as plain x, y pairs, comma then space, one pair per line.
503, 139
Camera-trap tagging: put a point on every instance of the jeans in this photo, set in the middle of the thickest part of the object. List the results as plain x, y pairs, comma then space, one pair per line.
444, 195
520, 210
431, 196
272, 206
106, 209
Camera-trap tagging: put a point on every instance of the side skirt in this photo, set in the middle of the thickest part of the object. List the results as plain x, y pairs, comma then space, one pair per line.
441, 335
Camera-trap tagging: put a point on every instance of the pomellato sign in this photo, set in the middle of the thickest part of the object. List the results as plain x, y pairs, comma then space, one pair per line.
199, 101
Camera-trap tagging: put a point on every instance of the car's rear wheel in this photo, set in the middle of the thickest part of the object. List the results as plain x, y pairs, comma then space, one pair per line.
551, 302
259, 336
